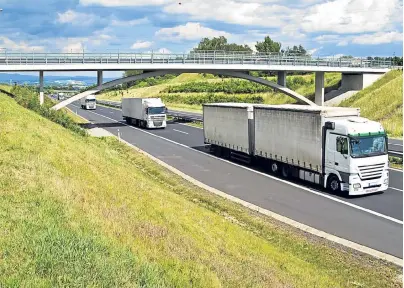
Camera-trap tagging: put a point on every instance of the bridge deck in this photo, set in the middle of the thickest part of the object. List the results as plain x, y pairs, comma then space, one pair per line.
197, 61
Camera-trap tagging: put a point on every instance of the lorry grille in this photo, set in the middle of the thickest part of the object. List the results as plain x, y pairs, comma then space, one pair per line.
157, 123
158, 118
369, 172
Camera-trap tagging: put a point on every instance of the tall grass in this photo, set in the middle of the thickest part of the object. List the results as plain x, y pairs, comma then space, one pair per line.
80, 211
382, 102
28, 98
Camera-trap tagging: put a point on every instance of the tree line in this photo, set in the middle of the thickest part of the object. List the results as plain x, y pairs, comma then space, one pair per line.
266, 46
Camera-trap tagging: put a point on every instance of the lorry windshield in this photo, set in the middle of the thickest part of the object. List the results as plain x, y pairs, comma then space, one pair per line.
90, 100
156, 110
368, 146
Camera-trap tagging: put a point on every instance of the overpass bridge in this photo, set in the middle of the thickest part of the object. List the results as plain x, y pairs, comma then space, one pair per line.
357, 73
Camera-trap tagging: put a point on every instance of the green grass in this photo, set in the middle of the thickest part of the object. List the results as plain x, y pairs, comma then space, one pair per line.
82, 211
306, 89
382, 102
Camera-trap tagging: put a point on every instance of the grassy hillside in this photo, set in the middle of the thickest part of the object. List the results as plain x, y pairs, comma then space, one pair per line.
189, 91
383, 102
81, 211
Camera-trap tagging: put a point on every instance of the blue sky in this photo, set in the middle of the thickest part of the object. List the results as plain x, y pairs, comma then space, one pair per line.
323, 27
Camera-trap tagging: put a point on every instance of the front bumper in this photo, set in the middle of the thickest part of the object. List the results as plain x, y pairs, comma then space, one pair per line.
368, 186
156, 124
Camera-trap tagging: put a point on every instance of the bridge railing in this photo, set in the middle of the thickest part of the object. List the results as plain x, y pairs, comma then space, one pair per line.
190, 58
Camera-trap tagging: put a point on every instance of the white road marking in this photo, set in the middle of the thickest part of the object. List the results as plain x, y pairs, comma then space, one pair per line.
396, 189
180, 131
268, 176
395, 144
394, 169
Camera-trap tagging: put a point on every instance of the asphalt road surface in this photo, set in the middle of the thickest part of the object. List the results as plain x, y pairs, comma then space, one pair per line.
374, 221
396, 145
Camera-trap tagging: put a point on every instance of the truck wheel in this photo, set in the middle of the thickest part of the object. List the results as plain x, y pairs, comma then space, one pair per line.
333, 184
274, 167
285, 171
127, 120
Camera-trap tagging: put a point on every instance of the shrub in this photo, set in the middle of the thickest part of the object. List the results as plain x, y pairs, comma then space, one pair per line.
210, 98
229, 87
28, 98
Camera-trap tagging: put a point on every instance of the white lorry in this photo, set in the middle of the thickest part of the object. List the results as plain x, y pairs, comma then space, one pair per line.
88, 102
330, 146
144, 112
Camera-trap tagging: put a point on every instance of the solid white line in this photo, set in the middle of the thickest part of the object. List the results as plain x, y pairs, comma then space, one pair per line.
190, 126
352, 245
396, 189
395, 144
394, 169
268, 176
180, 131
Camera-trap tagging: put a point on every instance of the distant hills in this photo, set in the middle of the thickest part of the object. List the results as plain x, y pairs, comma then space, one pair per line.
49, 80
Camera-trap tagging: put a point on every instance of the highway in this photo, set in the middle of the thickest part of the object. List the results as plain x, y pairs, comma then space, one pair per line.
374, 221
394, 145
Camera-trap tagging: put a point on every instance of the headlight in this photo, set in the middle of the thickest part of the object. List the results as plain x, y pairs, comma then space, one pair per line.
357, 185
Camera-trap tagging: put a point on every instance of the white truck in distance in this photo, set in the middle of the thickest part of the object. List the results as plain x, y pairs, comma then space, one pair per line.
330, 146
144, 112
88, 102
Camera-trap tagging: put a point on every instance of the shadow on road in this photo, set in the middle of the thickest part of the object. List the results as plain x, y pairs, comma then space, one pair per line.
101, 125
265, 170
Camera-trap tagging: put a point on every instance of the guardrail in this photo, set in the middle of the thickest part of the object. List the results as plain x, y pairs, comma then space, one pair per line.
210, 57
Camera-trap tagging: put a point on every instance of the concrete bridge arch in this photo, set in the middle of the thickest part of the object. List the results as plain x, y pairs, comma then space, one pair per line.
236, 74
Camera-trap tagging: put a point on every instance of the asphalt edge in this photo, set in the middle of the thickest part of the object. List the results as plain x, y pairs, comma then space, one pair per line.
352, 245
372, 252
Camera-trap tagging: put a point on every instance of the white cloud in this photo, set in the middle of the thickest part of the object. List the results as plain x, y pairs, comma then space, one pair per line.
234, 12
130, 22
314, 50
363, 39
125, 3
378, 38
75, 18
76, 47
164, 51
19, 46
351, 16
189, 31
141, 45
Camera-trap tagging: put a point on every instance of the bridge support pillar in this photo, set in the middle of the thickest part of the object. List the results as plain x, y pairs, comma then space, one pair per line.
99, 78
41, 95
319, 89
282, 78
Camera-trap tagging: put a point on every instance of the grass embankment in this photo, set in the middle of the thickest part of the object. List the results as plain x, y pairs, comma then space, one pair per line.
382, 102
189, 91
83, 211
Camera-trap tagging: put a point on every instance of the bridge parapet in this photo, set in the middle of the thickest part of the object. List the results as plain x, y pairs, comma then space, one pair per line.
201, 58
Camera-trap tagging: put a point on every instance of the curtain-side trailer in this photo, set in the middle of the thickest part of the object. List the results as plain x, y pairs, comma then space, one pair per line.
330, 146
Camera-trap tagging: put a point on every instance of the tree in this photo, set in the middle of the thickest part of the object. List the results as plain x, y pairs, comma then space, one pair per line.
220, 44
296, 50
268, 46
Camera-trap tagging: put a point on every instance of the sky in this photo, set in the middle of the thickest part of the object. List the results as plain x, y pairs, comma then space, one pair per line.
323, 27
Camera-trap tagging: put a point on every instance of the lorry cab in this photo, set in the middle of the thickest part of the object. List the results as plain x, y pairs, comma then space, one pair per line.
88, 103
356, 158
155, 113
144, 112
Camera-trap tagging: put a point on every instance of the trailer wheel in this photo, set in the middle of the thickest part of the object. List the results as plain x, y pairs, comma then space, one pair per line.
285, 171
274, 167
333, 184
127, 120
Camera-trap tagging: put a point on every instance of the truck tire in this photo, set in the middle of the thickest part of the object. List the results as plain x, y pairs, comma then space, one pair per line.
333, 184
285, 171
274, 167
128, 120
